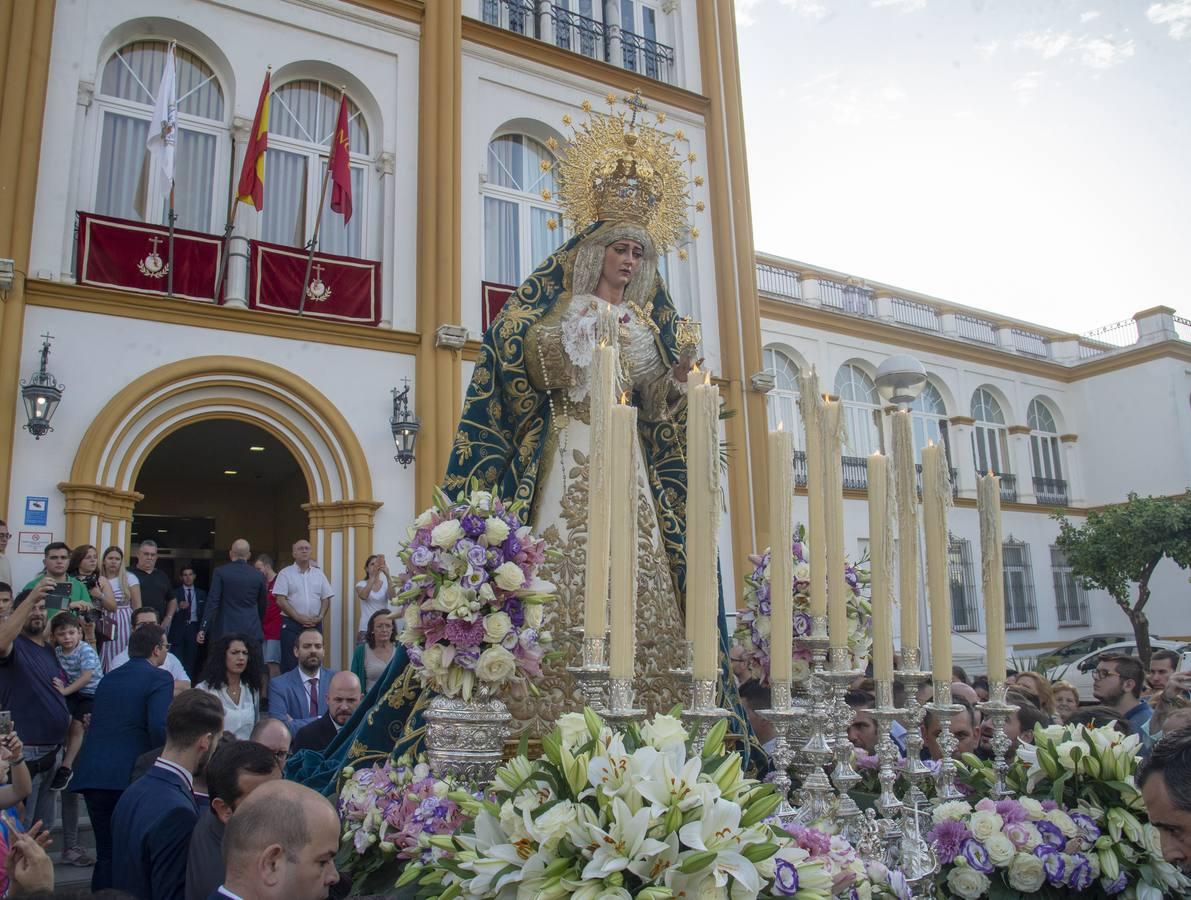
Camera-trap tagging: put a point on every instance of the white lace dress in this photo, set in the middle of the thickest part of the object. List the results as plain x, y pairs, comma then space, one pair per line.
559, 352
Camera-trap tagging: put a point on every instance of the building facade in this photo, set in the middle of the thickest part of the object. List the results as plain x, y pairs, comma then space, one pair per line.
194, 422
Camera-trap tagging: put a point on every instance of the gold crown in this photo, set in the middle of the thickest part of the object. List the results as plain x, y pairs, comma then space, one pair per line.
617, 169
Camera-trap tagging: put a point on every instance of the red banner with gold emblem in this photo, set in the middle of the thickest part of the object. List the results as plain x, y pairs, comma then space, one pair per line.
341, 288
135, 256
494, 298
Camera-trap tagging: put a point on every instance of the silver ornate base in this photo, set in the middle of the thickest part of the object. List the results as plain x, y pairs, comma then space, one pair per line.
592, 675
999, 710
703, 713
621, 712
465, 738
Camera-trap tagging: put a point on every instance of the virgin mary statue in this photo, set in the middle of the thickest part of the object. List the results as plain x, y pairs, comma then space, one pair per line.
525, 429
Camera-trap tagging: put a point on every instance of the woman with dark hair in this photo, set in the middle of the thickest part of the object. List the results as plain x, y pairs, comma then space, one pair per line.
235, 673
127, 593
372, 657
84, 565
374, 591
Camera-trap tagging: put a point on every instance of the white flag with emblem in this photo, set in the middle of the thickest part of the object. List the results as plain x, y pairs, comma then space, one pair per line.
163, 131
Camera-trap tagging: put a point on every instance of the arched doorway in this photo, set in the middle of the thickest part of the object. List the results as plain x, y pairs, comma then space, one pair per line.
103, 494
211, 482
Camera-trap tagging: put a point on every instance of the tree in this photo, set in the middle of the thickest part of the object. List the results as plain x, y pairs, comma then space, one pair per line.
1122, 545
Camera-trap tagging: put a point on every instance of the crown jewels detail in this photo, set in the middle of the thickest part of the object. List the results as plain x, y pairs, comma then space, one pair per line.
617, 168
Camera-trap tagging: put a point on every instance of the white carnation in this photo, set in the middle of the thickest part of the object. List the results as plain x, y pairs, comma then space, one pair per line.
952, 809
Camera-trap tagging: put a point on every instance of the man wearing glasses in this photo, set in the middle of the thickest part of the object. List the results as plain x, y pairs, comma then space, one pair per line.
1117, 683
66, 591
275, 735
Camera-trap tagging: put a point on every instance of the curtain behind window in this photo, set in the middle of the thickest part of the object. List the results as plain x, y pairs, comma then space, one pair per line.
122, 158
502, 242
284, 216
332, 236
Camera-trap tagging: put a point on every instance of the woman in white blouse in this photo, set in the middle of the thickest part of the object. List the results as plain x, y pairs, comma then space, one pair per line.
235, 673
374, 590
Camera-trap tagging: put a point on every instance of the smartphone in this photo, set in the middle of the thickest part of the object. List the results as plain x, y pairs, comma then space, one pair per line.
5, 723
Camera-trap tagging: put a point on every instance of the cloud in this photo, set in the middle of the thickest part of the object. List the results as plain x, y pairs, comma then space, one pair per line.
1027, 86
988, 48
1176, 15
744, 12
810, 9
892, 93
1089, 16
1094, 52
906, 6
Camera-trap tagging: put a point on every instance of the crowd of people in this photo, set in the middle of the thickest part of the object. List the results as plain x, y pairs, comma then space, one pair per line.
162, 707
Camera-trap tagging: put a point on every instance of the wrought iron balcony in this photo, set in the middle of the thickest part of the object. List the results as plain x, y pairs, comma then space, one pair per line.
855, 473
800, 468
518, 16
1008, 485
647, 57
1050, 491
581, 34
952, 474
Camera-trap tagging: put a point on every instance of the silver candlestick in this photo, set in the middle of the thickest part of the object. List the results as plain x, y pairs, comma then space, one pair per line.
782, 714
683, 673
592, 674
816, 800
911, 677
703, 713
943, 710
887, 753
843, 774
999, 710
621, 712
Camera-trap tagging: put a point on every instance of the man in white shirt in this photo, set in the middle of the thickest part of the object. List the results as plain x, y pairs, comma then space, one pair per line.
304, 595
146, 615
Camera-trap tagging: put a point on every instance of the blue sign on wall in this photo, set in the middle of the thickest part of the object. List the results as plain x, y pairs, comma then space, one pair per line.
36, 510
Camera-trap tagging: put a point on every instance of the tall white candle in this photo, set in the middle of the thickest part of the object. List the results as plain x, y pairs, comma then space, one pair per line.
992, 571
623, 471
702, 523
810, 407
879, 558
781, 561
936, 496
833, 504
599, 495
906, 491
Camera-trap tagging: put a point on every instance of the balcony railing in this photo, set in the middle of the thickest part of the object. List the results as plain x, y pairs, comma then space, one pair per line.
1008, 485
581, 34
855, 473
518, 16
916, 315
954, 476
800, 468
778, 281
847, 297
975, 329
1029, 342
1050, 491
647, 57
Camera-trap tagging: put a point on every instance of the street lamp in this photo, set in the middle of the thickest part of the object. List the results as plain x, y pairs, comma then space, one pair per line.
404, 425
41, 394
900, 379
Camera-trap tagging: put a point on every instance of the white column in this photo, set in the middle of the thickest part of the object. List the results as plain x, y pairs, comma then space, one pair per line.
388, 253
247, 223
1005, 339
76, 186
960, 434
1019, 452
1071, 469
885, 306
612, 24
808, 287
546, 24
1155, 325
948, 325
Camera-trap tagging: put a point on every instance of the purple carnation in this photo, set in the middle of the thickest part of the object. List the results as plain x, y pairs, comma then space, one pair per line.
1052, 837
462, 633
1079, 878
1116, 885
785, 878
977, 856
421, 557
1011, 811
1052, 865
948, 838
473, 525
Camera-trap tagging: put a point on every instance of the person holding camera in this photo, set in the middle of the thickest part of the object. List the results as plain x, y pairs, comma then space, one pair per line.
84, 566
66, 592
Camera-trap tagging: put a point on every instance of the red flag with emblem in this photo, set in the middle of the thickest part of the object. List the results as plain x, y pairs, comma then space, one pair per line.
341, 175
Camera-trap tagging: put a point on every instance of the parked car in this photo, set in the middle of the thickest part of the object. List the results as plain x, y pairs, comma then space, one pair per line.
1079, 671
1073, 650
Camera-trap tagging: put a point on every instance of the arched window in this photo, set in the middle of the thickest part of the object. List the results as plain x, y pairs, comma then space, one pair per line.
127, 92
859, 396
929, 416
520, 224
782, 402
1044, 442
990, 438
302, 120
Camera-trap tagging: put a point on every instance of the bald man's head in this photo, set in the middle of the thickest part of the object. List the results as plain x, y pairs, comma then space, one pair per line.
274, 734
281, 843
240, 549
343, 696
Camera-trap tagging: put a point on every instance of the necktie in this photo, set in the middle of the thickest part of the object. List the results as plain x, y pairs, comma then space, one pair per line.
313, 685
190, 600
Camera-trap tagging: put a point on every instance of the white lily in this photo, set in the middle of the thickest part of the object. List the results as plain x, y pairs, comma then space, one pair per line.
623, 843
719, 831
500, 863
674, 781
616, 772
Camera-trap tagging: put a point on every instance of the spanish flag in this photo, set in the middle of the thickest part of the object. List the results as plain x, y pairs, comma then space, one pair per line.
251, 188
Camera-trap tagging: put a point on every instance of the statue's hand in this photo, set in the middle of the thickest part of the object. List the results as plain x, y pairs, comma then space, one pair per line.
682, 368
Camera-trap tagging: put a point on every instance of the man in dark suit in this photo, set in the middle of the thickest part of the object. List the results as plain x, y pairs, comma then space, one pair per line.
281, 843
156, 815
128, 719
236, 769
343, 697
188, 622
237, 599
299, 696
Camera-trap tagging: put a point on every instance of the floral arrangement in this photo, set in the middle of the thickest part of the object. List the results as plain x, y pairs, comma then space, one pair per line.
753, 624
632, 814
848, 871
471, 598
1079, 827
389, 812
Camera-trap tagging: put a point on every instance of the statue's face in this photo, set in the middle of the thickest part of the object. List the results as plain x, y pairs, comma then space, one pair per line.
622, 259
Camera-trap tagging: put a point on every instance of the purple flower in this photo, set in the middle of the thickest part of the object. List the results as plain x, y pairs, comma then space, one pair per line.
798, 551
802, 624
474, 577
899, 885
1079, 878
477, 556
948, 837
1116, 886
466, 659
785, 878
763, 607
1049, 805
421, 557
512, 546
1089, 831
516, 611
473, 525
763, 593
977, 856
1052, 865
850, 577
1052, 837
1011, 811
465, 634
496, 558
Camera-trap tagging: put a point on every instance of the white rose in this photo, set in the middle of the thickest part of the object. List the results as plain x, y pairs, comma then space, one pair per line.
446, 534
481, 500
1063, 822
1033, 807
800, 670
574, 730
496, 626
1000, 850
509, 576
1026, 873
533, 615
764, 626
496, 664
802, 572
663, 732
953, 809
984, 824
495, 531
432, 661
968, 883
423, 518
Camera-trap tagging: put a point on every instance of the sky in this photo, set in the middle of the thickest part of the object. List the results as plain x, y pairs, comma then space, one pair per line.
1028, 157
